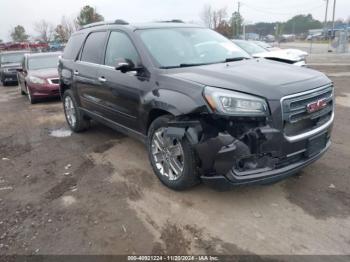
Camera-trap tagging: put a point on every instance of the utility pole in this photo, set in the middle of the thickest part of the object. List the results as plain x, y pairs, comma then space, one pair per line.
239, 19
334, 6
333, 26
233, 24
325, 20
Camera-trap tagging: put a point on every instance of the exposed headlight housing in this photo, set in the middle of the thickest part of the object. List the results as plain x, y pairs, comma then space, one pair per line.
36, 80
235, 103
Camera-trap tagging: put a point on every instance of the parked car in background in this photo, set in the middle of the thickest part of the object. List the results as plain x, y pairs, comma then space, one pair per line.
266, 46
282, 55
206, 110
38, 76
9, 63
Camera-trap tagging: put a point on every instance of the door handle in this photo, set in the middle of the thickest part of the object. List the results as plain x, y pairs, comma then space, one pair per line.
76, 72
102, 79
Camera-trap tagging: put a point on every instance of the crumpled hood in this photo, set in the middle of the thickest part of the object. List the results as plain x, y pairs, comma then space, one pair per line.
268, 79
45, 73
285, 54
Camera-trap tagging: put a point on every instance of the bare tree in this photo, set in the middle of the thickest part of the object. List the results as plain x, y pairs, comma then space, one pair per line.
65, 29
207, 16
219, 16
213, 18
45, 30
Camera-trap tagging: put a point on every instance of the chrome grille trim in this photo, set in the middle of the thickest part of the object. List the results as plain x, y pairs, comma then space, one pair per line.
50, 80
316, 130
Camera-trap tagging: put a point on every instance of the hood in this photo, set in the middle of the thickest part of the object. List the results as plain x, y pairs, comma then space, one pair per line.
264, 78
11, 65
45, 73
280, 54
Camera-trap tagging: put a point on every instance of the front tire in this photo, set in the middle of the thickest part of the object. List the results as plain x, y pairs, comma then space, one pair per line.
21, 90
173, 160
73, 114
31, 99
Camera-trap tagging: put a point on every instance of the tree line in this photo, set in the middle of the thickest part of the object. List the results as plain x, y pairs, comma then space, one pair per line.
232, 25
47, 32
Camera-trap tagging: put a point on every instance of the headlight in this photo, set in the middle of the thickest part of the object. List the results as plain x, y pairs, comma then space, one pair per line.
36, 80
235, 103
6, 70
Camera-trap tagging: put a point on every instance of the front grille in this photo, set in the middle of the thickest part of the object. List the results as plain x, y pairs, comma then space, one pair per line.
296, 117
12, 70
54, 81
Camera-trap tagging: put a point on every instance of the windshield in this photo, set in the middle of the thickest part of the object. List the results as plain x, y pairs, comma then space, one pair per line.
263, 44
11, 58
42, 62
250, 47
176, 47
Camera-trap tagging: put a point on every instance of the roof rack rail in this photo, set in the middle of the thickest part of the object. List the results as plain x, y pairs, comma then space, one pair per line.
116, 22
173, 21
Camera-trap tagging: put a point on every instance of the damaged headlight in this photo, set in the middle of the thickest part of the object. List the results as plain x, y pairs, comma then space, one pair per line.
235, 103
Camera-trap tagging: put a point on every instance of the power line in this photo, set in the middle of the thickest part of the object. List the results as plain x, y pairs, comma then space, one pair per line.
266, 11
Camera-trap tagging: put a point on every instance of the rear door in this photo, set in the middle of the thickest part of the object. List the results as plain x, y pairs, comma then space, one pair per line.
86, 72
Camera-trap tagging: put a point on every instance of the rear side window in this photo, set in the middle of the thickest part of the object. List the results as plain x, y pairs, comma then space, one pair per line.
73, 47
94, 48
120, 46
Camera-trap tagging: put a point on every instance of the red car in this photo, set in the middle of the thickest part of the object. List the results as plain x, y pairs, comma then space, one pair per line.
38, 77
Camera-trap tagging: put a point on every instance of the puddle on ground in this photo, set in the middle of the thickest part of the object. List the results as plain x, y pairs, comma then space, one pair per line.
62, 132
343, 100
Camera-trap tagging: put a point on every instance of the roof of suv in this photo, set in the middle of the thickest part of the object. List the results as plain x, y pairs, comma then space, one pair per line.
138, 26
43, 54
14, 52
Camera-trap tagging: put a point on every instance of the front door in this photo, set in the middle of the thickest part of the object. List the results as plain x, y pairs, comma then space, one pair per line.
124, 90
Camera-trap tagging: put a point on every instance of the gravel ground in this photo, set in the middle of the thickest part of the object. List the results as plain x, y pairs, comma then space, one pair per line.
95, 193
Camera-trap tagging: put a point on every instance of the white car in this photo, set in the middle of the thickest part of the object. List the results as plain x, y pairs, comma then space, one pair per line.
290, 56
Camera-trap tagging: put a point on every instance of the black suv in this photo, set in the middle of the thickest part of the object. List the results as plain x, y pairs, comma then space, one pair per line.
10, 62
206, 110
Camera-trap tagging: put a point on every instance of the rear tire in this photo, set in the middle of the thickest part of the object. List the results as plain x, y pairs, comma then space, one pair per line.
188, 177
75, 118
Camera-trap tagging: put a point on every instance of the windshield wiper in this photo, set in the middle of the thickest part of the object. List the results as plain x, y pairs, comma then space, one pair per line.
235, 59
185, 65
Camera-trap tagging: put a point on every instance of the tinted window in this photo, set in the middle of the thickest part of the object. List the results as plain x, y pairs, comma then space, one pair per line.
94, 48
250, 47
73, 47
120, 46
12, 58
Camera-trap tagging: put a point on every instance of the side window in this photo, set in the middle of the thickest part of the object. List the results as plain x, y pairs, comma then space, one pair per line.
120, 46
73, 46
94, 47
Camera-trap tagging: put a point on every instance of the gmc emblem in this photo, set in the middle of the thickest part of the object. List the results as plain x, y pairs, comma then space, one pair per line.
316, 106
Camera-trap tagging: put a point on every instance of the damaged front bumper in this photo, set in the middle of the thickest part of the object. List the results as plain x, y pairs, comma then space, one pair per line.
260, 155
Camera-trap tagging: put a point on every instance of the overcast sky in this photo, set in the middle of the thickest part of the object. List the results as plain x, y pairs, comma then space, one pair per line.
27, 12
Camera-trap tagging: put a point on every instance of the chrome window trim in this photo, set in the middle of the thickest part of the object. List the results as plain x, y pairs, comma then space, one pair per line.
316, 130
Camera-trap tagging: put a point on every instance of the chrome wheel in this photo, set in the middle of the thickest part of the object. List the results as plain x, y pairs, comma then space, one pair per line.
70, 111
168, 155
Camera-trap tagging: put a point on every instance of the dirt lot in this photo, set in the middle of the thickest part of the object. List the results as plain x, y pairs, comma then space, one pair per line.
95, 193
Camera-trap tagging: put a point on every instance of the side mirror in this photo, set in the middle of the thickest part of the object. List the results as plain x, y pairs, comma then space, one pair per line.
125, 65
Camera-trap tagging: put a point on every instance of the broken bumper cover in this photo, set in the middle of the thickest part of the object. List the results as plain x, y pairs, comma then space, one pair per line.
231, 179
259, 156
